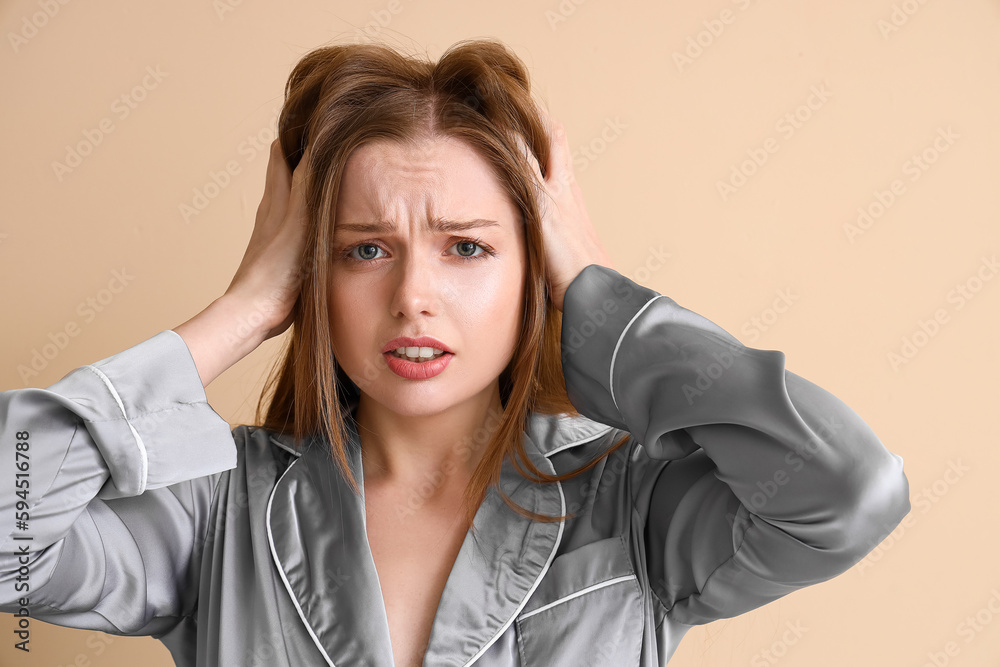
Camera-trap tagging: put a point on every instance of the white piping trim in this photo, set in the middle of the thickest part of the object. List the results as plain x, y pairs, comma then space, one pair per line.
143, 458
281, 571
589, 438
611, 378
616, 580
545, 568
288, 449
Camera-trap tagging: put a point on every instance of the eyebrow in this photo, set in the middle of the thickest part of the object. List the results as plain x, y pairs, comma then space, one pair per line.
439, 224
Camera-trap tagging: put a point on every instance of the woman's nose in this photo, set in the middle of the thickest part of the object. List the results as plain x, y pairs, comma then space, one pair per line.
422, 288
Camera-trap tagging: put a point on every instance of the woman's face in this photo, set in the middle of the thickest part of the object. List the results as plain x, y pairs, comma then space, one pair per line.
419, 280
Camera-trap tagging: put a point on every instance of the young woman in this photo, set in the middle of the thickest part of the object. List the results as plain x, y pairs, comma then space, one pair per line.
484, 444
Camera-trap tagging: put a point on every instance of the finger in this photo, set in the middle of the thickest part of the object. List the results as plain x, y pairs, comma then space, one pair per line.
281, 183
297, 189
560, 157
559, 165
547, 121
264, 209
528, 155
296, 221
304, 165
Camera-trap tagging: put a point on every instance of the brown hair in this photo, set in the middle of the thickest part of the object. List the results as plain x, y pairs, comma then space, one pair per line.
337, 98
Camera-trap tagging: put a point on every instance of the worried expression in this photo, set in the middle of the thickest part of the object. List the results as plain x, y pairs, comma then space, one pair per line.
427, 242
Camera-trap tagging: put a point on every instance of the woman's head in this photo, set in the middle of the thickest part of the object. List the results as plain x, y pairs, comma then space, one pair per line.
403, 140
461, 283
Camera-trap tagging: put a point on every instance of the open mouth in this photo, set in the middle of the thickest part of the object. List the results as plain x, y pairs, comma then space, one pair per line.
417, 359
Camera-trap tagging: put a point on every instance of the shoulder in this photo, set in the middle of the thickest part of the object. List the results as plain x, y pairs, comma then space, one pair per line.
260, 450
570, 442
566, 437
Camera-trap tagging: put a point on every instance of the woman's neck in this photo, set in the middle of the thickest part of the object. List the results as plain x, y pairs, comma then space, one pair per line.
433, 454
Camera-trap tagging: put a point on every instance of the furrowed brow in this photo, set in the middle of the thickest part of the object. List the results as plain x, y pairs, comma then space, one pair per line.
438, 224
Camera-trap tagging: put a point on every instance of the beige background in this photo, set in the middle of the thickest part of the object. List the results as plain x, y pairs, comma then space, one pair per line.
772, 261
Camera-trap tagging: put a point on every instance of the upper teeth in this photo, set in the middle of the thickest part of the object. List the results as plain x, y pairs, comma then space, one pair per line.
418, 352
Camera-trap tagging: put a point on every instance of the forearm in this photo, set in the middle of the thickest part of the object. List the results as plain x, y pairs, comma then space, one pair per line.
219, 336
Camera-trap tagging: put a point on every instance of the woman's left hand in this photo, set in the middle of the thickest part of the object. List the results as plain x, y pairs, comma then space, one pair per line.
571, 242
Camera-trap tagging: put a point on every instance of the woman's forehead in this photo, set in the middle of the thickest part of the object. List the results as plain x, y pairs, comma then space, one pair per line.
433, 179
377, 162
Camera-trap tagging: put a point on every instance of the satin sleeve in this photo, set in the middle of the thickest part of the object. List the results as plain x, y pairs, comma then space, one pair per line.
106, 484
763, 483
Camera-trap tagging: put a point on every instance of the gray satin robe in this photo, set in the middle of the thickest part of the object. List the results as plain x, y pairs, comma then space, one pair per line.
741, 482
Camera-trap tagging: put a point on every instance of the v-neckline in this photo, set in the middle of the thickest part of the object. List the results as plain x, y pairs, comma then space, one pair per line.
318, 532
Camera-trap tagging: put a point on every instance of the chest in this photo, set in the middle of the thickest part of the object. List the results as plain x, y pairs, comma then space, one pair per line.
413, 553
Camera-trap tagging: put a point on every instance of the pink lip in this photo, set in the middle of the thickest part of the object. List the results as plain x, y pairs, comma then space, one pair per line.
413, 370
423, 341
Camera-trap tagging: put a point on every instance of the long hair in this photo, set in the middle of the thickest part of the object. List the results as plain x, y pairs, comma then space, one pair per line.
336, 99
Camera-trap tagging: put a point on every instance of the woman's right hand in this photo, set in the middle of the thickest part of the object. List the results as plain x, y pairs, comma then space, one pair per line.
269, 278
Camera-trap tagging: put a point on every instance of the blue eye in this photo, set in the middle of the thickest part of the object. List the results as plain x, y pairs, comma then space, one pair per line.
348, 253
487, 252
365, 245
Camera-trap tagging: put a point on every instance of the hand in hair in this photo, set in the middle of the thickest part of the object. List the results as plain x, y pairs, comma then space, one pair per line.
571, 242
269, 278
